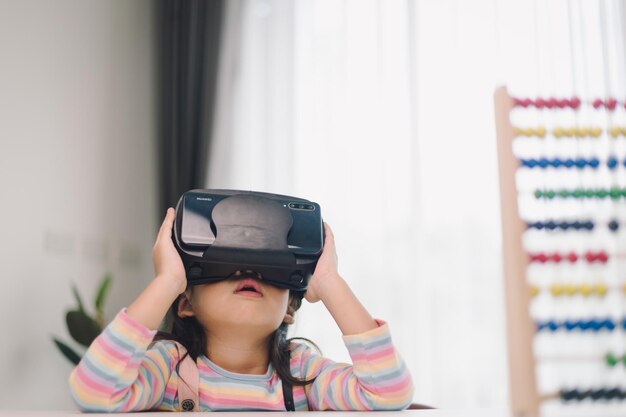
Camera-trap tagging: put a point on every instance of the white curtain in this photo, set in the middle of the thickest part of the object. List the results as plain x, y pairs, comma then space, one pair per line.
382, 112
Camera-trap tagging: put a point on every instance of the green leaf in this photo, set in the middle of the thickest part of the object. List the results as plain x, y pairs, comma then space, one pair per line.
67, 351
82, 328
102, 293
78, 299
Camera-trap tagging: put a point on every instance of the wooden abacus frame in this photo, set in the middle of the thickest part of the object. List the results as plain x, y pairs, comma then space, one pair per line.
524, 398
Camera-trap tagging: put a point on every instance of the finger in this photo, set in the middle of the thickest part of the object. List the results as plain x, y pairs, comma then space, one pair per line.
328, 231
166, 226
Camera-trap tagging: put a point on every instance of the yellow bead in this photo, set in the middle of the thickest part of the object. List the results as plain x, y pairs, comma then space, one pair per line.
600, 289
585, 290
556, 290
570, 289
596, 132
557, 132
534, 290
623, 131
615, 131
570, 131
582, 132
541, 132
517, 131
529, 132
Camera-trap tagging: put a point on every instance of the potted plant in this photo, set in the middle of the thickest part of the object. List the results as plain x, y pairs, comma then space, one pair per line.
82, 326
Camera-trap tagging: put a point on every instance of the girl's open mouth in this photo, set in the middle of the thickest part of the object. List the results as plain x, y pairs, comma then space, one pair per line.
249, 287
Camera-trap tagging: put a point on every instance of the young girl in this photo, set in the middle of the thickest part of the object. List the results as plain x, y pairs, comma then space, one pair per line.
235, 331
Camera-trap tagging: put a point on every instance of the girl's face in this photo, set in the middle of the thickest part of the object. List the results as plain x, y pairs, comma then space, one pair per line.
245, 303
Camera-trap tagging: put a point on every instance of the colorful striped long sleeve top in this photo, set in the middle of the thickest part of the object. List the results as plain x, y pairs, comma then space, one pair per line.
123, 371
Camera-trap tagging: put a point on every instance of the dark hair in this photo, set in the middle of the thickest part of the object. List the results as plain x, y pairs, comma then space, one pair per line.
190, 333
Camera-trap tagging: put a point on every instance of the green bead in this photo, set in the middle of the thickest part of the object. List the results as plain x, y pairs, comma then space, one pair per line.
615, 193
601, 193
538, 194
624, 360
611, 360
589, 193
578, 193
550, 194
623, 192
564, 193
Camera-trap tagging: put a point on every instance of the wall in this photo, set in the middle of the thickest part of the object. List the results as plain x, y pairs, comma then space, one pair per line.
77, 176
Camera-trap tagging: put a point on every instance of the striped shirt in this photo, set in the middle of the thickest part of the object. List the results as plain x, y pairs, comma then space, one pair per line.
123, 371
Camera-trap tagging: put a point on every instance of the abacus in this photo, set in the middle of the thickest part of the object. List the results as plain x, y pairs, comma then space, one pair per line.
562, 169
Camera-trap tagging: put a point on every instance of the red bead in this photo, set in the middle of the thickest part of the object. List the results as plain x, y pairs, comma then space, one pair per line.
562, 103
602, 257
540, 103
527, 102
556, 257
517, 102
611, 103
597, 103
572, 257
552, 103
574, 102
590, 256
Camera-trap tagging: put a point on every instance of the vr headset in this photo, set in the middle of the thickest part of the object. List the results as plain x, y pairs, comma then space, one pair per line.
224, 233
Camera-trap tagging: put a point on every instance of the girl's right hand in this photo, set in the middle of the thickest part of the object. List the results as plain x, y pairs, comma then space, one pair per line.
167, 262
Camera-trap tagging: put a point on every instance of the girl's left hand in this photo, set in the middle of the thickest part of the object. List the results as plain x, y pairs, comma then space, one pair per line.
325, 271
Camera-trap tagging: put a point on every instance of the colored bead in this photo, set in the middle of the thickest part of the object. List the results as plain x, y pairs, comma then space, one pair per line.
556, 257
585, 290
601, 193
611, 103
551, 103
540, 103
541, 132
550, 194
596, 132
550, 225
574, 102
557, 132
572, 257
615, 131
569, 163
556, 290
615, 193
580, 163
563, 193
611, 162
594, 163
588, 225
543, 162
611, 359
600, 289
569, 289
597, 103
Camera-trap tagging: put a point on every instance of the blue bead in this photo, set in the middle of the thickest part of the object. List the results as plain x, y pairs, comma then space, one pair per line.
613, 225
570, 325
543, 162
569, 162
580, 163
556, 163
550, 225
583, 325
594, 162
609, 324
576, 225
563, 225
588, 225
612, 162
553, 326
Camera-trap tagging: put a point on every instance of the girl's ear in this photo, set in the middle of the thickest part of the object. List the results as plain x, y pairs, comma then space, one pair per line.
184, 306
290, 316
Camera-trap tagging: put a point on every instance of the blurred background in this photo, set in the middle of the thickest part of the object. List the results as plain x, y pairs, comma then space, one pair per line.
380, 111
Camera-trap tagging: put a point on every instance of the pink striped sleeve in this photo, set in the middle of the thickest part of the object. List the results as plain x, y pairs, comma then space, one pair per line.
118, 373
377, 380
